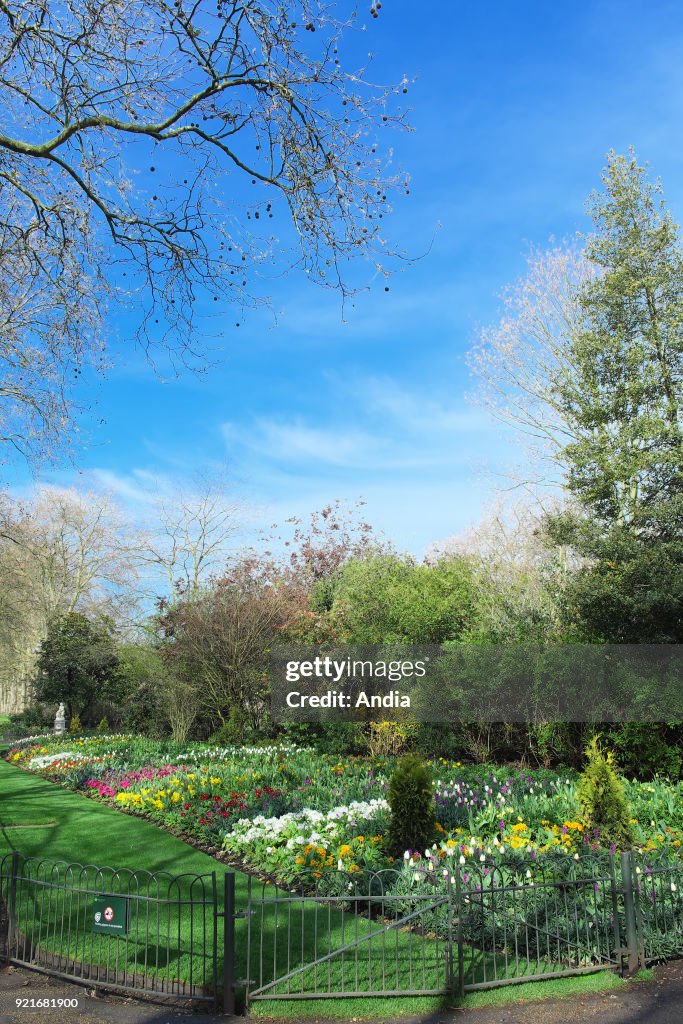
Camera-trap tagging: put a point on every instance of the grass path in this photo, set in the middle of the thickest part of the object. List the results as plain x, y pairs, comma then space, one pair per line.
67, 826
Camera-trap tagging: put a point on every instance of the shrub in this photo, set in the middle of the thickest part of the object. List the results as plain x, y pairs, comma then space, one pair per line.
103, 726
75, 724
413, 811
647, 749
388, 739
600, 793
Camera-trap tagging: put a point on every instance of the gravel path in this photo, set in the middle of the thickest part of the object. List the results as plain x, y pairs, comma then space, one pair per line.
653, 1002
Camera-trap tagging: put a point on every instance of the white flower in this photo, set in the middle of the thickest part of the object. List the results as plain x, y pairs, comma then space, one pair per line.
462, 859
673, 887
576, 857
406, 855
416, 876
482, 857
340, 865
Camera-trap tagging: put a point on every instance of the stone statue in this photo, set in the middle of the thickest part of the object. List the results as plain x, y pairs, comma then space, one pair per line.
60, 720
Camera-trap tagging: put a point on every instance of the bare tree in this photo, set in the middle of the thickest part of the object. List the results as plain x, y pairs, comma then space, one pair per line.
189, 538
521, 362
518, 574
221, 639
121, 125
62, 552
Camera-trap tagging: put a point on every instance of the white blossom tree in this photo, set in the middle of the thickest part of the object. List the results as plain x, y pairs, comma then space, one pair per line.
522, 363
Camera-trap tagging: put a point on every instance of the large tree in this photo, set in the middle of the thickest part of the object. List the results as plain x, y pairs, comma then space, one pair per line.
521, 362
61, 552
77, 663
624, 400
159, 154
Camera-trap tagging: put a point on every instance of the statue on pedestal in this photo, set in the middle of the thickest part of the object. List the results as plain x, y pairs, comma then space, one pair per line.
60, 721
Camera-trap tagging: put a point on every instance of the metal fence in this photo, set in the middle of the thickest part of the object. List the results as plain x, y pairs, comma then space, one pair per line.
445, 931
459, 929
133, 931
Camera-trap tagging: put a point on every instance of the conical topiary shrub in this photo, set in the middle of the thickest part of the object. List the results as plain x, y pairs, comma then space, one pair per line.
413, 811
601, 796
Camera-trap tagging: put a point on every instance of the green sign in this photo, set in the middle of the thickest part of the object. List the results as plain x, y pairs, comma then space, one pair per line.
110, 915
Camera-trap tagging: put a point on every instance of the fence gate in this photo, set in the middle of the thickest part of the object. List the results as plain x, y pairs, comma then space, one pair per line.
133, 931
513, 931
347, 938
450, 933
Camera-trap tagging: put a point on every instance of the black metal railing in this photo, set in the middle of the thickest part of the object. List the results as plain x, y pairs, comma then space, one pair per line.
445, 929
459, 928
134, 931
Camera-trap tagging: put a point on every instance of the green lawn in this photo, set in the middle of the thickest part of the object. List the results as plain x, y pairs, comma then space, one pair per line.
41, 819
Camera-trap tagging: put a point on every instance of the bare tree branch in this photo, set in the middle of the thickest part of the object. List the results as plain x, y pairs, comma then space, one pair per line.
126, 131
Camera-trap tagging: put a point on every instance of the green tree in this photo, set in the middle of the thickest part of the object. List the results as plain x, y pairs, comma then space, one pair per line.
413, 811
392, 599
77, 663
626, 466
623, 400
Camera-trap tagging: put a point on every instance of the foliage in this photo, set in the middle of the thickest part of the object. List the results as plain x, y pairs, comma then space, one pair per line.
624, 399
600, 794
276, 807
75, 725
218, 644
77, 663
413, 813
648, 749
103, 726
388, 739
385, 598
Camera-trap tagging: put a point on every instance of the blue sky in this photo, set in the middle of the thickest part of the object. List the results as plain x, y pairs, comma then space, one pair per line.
514, 107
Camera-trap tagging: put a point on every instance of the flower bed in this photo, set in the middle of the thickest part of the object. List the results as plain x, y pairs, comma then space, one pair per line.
286, 811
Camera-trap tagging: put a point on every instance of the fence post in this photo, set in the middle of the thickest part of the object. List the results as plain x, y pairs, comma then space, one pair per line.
615, 909
459, 932
628, 886
12, 902
229, 944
